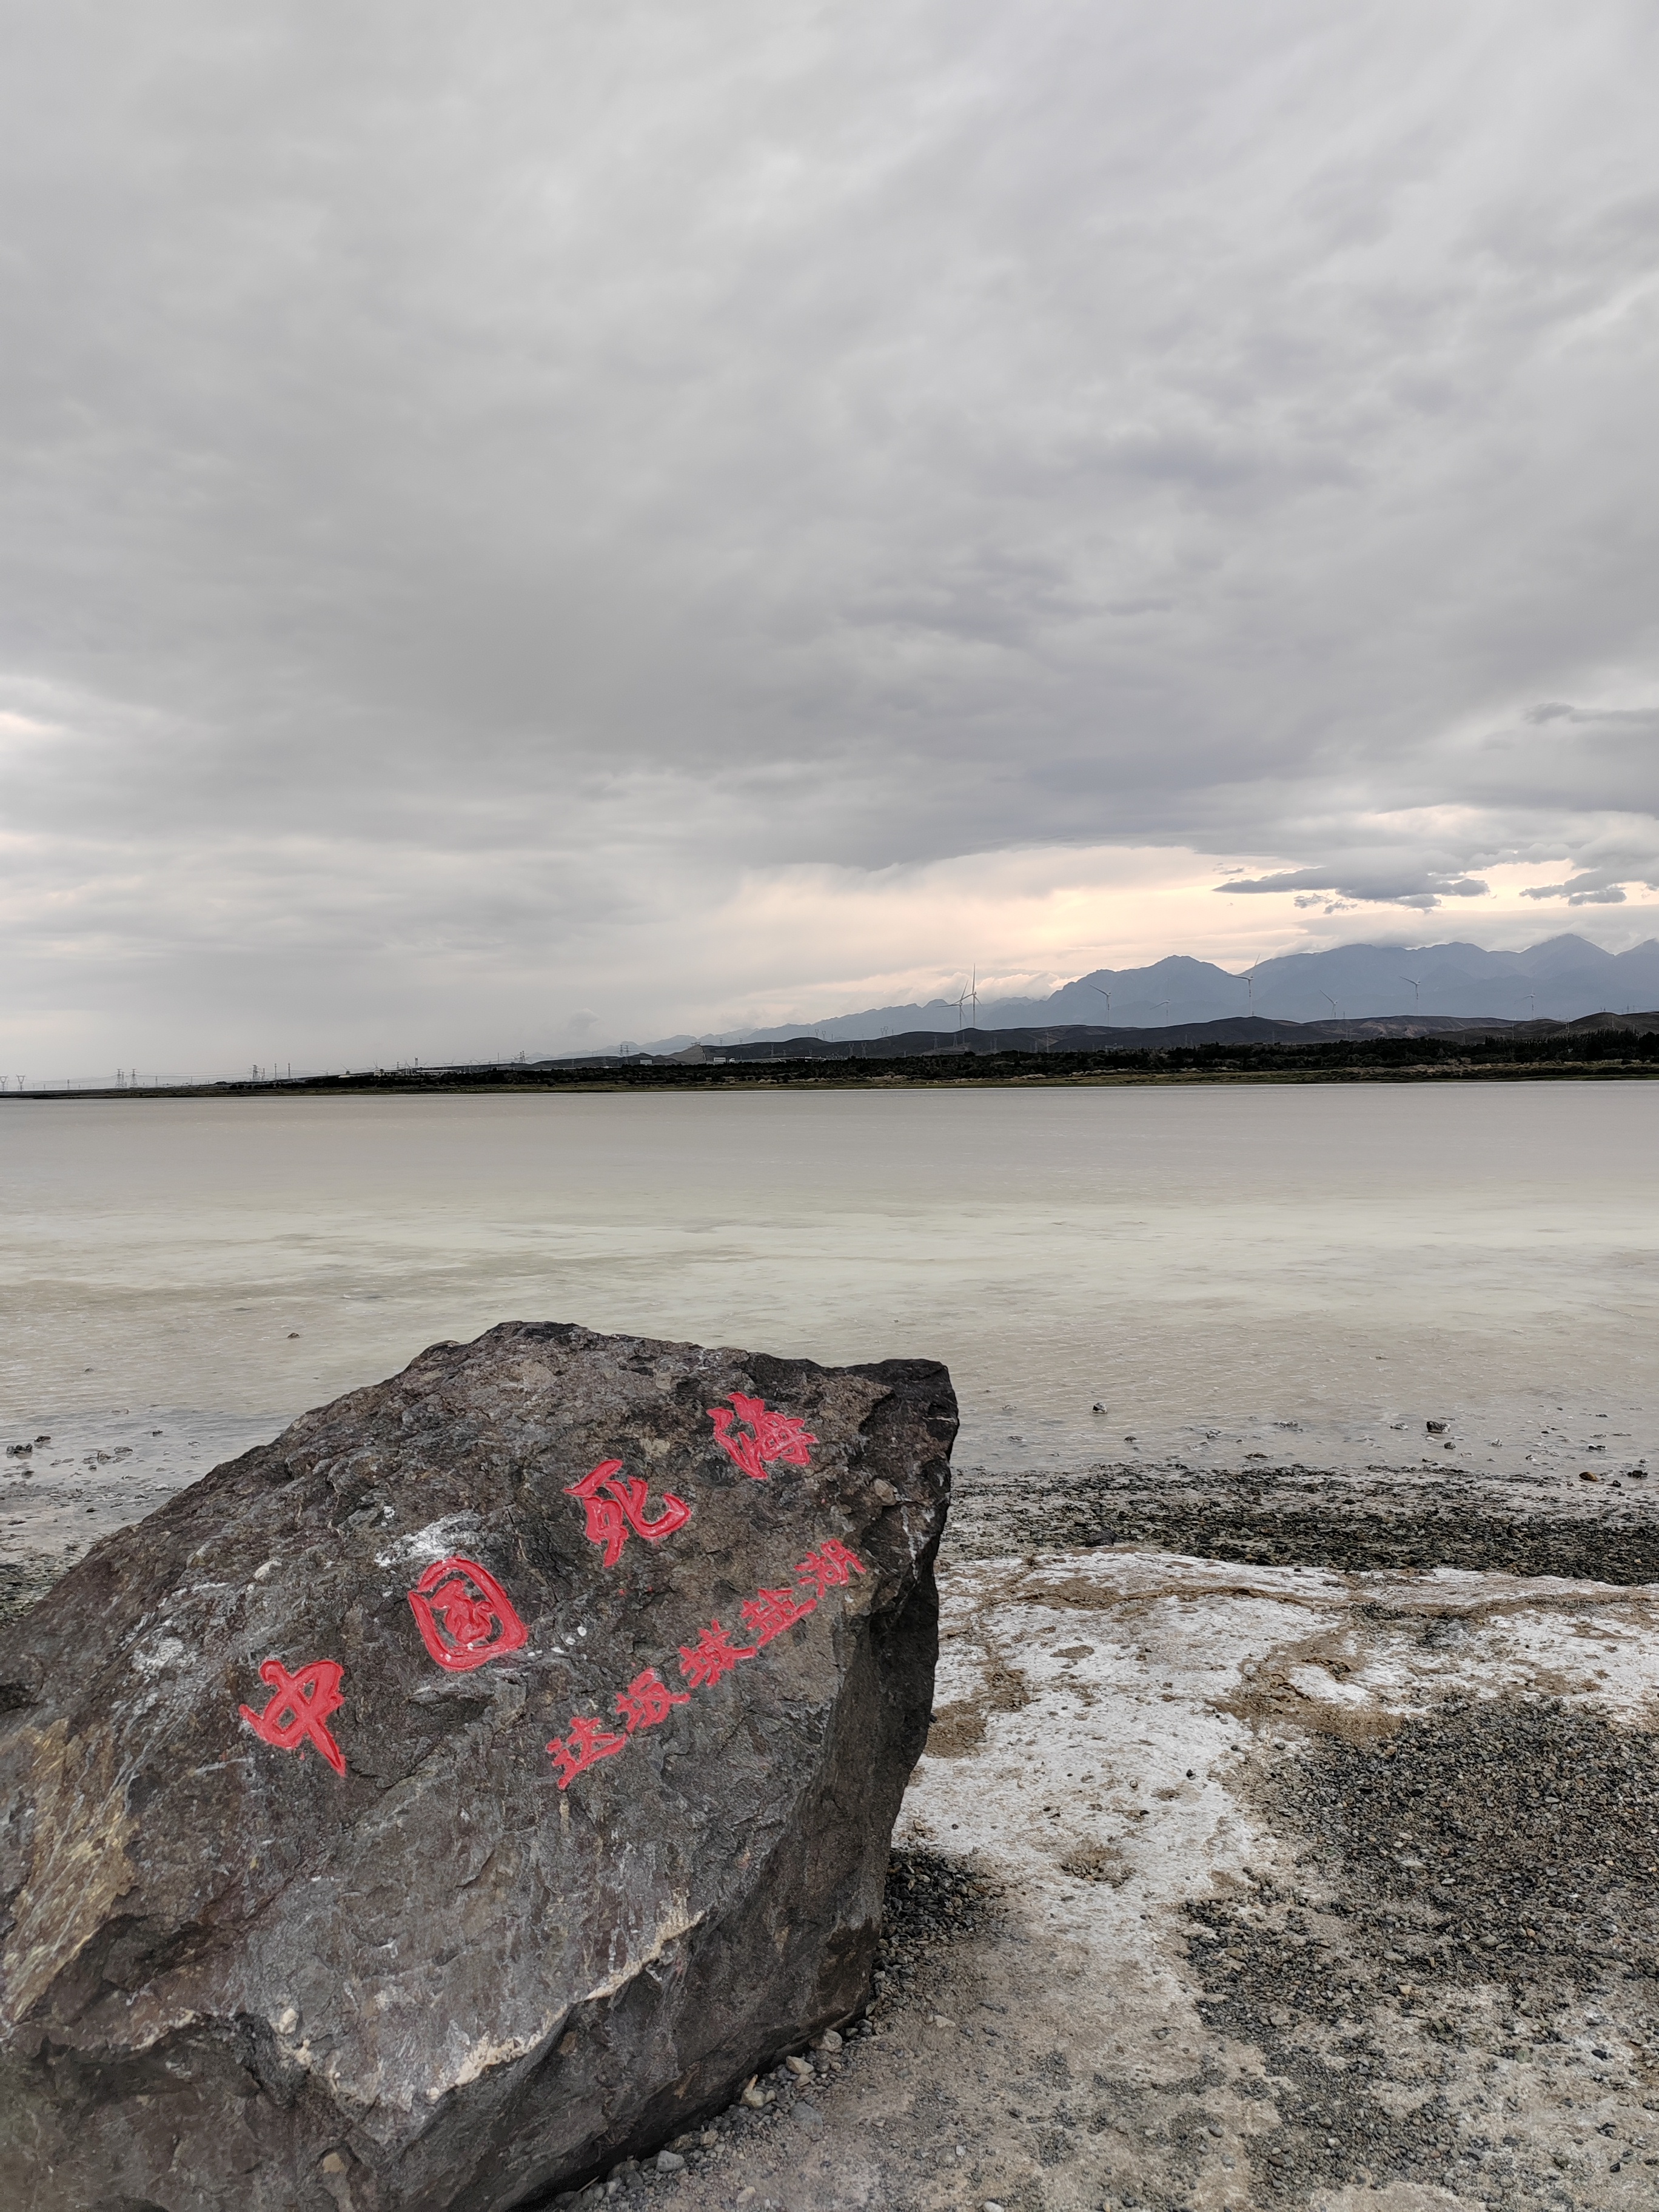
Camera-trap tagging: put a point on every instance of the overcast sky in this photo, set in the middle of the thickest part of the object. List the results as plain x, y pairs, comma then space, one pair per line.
540, 522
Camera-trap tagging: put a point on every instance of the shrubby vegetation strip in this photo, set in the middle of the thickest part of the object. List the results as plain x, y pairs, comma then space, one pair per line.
1593, 1056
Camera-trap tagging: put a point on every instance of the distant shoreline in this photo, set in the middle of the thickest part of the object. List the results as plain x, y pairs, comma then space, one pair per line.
1597, 1055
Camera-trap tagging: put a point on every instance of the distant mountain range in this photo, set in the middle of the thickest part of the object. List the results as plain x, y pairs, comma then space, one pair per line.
1561, 978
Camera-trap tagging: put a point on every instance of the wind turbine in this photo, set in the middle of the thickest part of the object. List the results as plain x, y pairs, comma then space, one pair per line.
970, 997
1416, 995
1107, 995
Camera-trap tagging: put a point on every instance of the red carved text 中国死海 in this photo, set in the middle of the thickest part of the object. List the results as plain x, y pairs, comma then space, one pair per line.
464, 1615
615, 1503
296, 1715
775, 1436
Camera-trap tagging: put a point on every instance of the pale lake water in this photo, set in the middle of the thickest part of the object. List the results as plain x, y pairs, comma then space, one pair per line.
1307, 1273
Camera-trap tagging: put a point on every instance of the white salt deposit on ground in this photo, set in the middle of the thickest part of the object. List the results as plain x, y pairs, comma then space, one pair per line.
1107, 1726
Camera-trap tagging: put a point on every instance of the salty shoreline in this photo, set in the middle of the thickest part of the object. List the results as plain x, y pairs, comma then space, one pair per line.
1253, 1888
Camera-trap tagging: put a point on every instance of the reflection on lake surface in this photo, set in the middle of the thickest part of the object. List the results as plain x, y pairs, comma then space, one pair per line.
1226, 1271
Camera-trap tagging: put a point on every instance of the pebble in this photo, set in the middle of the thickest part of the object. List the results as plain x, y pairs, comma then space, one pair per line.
669, 2161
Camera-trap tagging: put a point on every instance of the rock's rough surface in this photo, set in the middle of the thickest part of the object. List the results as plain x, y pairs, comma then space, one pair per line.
581, 1869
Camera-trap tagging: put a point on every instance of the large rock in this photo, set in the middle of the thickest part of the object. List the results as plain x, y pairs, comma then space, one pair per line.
469, 1789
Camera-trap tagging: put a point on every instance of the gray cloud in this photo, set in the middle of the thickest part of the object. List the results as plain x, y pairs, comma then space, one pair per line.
1383, 888
476, 481
1579, 890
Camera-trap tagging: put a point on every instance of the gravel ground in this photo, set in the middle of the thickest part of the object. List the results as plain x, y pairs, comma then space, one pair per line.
1222, 1889
1489, 1874
1600, 1525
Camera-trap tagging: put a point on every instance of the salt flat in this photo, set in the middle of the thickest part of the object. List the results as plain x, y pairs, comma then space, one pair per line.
1225, 1278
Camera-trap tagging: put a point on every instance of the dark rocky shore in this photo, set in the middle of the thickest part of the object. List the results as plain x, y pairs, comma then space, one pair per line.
1601, 1528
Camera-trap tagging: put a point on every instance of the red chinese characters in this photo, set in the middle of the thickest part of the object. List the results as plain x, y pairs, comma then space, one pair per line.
647, 1700
712, 1655
829, 1567
769, 1611
464, 1615
615, 1503
776, 1437
646, 1703
588, 1743
298, 1712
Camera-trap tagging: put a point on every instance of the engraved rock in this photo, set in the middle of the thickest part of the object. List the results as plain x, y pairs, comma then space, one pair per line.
470, 1789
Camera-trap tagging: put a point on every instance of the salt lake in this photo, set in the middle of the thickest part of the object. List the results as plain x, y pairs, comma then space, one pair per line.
1308, 1274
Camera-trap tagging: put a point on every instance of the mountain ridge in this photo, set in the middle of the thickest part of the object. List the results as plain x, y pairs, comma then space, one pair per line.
1561, 978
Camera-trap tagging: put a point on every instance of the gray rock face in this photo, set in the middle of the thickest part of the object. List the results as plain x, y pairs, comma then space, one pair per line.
468, 1789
